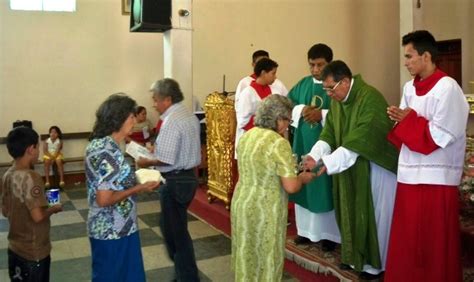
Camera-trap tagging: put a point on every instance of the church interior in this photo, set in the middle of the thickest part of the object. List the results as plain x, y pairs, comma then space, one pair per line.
57, 67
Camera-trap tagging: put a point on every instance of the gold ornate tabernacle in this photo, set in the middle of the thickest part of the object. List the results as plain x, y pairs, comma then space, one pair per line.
221, 125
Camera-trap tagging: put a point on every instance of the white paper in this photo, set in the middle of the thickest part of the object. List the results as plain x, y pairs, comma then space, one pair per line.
146, 133
137, 151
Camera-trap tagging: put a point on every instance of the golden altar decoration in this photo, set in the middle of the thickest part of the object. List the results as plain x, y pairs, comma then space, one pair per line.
222, 167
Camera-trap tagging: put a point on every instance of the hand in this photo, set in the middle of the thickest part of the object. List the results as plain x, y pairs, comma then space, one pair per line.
306, 177
143, 162
321, 171
56, 208
311, 114
308, 163
397, 114
150, 186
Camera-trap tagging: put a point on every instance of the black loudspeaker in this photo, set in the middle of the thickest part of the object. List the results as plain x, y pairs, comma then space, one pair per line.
150, 15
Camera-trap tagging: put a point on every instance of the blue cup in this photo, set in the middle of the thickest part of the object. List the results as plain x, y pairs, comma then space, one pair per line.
53, 197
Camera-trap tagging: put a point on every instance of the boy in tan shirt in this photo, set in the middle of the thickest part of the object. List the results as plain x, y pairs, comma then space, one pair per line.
24, 204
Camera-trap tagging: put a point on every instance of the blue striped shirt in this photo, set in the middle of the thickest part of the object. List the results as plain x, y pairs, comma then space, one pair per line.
178, 142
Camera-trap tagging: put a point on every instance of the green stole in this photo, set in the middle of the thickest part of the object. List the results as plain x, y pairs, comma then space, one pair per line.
315, 196
361, 125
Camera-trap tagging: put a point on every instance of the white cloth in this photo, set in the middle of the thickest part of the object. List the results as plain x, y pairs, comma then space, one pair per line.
246, 104
383, 185
53, 147
297, 112
277, 86
446, 109
317, 226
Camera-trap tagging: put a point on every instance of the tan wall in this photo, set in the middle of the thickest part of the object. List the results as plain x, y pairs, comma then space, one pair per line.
55, 68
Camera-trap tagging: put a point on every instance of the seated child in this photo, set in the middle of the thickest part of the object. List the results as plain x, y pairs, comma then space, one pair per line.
142, 130
52, 153
24, 204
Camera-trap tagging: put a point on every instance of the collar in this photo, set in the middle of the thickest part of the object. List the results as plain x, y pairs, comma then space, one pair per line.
348, 92
169, 111
424, 86
315, 81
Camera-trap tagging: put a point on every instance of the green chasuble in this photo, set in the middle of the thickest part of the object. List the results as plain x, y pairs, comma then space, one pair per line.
315, 196
360, 124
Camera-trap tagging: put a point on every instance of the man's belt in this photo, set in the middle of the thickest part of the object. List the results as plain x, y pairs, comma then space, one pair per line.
176, 172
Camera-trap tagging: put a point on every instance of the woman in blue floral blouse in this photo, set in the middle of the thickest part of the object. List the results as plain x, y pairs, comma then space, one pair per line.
111, 185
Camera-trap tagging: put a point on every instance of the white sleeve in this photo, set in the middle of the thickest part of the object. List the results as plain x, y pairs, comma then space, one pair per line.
449, 121
340, 160
241, 86
324, 113
245, 106
320, 149
296, 115
279, 88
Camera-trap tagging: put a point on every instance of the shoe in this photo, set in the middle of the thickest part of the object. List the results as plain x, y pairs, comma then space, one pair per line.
367, 276
47, 185
62, 184
327, 246
344, 266
300, 240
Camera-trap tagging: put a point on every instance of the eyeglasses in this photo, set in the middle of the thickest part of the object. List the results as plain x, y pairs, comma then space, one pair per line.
332, 89
287, 119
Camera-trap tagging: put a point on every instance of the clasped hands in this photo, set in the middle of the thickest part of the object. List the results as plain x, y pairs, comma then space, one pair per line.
309, 164
396, 114
311, 114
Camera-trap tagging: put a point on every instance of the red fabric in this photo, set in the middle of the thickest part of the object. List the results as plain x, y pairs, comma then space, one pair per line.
249, 125
138, 137
254, 76
263, 91
425, 237
424, 86
413, 131
158, 126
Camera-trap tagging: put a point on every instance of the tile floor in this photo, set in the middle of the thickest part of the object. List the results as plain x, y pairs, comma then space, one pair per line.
71, 259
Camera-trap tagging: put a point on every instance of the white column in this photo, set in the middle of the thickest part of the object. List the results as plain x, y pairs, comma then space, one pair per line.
178, 49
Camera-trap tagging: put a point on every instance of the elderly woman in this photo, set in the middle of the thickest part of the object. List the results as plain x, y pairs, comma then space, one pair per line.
111, 186
259, 205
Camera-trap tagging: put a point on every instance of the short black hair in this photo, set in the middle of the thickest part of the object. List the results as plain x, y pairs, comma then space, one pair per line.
320, 51
422, 41
112, 114
19, 139
265, 64
259, 53
338, 70
58, 130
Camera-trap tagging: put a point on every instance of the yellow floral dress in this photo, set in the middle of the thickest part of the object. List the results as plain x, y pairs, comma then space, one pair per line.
259, 207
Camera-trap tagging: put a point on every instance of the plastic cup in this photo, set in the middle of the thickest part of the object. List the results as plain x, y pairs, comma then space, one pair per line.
53, 197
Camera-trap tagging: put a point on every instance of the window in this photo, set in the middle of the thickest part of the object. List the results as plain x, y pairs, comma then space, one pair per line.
44, 5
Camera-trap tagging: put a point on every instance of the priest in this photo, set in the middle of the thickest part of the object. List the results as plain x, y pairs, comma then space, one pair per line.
353, 148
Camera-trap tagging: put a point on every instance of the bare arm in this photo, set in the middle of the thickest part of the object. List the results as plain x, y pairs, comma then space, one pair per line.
41, 213
144, 162
109, 197
45, 149
293, 185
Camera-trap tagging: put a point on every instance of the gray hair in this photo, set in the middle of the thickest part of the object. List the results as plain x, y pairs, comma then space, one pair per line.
272, 109
167, 87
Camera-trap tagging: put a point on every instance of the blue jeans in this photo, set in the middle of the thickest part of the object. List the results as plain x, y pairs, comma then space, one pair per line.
20, 269
175, 197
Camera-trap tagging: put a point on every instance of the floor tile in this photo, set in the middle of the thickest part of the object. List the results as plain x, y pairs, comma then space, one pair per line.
67, 205
4, 225
66, 217
70, 249
198, 229
4, 275
78, 269
145, 197
68, 231
80, 204
77, 194
84, 214
168, 274
212, 246
149, 238
155, 257
148, 207
151, 219
3, 240
214, 268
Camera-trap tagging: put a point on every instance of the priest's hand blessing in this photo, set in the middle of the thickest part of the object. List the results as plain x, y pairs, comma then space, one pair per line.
311, 114
397, 114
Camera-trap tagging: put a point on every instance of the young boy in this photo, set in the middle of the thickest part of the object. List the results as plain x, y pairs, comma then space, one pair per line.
24, 203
